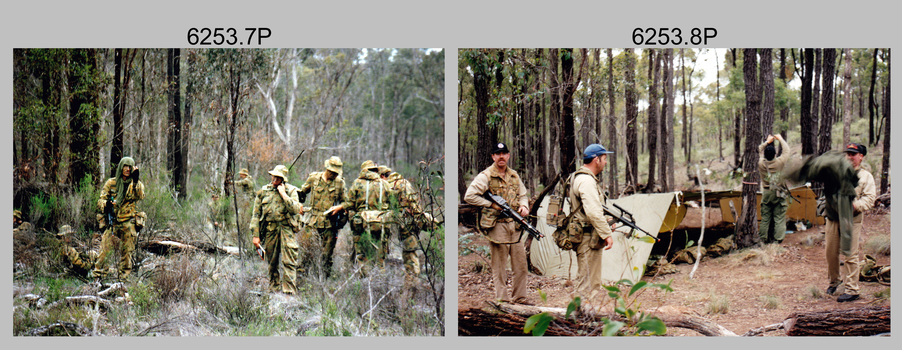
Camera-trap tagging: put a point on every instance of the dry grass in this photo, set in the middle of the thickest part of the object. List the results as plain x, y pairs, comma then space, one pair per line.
877, 245
718, 304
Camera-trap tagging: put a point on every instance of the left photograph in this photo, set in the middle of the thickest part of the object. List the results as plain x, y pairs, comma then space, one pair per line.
228, 192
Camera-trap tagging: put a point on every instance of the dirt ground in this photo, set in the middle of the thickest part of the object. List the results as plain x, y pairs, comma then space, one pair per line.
761, 286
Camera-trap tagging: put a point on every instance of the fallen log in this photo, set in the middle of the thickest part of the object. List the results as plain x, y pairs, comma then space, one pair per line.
863, 321
89, 300
478, 322
671, 318
163, 247
60, 328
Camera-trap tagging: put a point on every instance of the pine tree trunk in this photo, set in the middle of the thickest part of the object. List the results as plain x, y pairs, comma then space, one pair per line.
807, 123
654, 59
746, 227
632, 111
174, 131
847, 97
871, 102
567, 149
784, 112
612, 127
826, 123
767, 91
884, 169
667, 125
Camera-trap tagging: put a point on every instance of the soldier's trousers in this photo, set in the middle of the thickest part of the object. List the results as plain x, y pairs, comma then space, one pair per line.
377, 245
127, 235
773, 212
507, 232
846, 272
589, 264
82, 262
409, 247
281, 247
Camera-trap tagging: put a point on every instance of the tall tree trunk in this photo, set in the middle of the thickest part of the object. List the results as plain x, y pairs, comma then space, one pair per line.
116, 149
174, 131
827, 111
84, 116
746, 225
816, 94
871, 101
483, 130
667, 144
887, 117
737, 136
555, 121
613, 184
654, 60
807, 123
847, 97
718, 116
767, 90
188, 118
567, 150
234, 107
684, 140
632, 110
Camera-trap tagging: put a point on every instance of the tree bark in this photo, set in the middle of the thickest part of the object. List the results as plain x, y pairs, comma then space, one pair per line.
784, 112
872, 104
667, 137
632, 111
84, 117
816, 96
847, 97
483, 130
567, 148
808, 125
174, 130
653, 125
884, 169
827, 111
613, 184
746, 227
767, 92
865, 321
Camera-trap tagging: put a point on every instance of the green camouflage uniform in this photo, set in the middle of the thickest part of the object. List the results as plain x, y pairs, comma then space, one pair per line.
245, 188
322, 195
368, 199
275, 222
408, 214
775, 196
125, 210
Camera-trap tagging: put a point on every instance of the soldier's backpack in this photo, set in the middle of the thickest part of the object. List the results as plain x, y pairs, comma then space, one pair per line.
568, 234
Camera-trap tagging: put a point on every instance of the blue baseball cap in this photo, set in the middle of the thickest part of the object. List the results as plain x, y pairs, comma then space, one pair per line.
594, 150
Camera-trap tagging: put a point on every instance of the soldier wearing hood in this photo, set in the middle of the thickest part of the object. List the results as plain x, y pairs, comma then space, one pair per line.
409, 217
122, 193
368, 199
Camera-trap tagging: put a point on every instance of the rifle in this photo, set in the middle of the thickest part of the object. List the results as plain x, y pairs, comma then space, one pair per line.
511, 213
627, 219
108, 212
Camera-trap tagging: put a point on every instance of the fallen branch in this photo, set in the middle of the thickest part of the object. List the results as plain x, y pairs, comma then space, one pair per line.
765, 329
82, 300
115, 287
67, 328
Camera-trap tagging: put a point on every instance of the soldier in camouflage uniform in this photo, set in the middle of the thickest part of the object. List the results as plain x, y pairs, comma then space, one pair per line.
368, 200
80, 263
123, 191
17, 218
326, 198
409, 217
245, 187
775, 196
275, 220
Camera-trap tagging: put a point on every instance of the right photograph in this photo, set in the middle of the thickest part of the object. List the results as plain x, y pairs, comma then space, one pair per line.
673, 192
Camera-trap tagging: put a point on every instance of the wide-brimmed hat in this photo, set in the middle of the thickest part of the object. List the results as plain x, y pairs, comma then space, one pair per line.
333, 164
369, 164
384, 170
243, 171
280, 171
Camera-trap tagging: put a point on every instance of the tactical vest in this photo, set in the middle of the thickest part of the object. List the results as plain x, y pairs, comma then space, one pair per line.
506, 189
576, 201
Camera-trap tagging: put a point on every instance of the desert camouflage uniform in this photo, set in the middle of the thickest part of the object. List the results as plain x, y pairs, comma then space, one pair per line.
368, 199
409, 218
123, 223
80, 262
322, 195
275, 222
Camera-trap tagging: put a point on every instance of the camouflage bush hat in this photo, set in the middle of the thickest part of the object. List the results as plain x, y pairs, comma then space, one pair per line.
17, 214
243, 172
369, 164
384, 170
65, 230
280, 171
333, 164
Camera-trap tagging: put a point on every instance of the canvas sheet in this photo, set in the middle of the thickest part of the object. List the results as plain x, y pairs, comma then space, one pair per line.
627, 257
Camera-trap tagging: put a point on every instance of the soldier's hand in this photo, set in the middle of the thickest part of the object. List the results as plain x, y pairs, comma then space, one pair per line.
779, 137
608, 243
334, 209
523, 210
281, 189
496, 207
770, 138
301, 211
256, 242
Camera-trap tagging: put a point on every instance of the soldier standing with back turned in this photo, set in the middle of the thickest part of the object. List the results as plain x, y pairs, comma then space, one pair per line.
775, 195
504, 237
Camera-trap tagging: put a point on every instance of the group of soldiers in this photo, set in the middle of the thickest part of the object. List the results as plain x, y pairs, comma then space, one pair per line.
850, 190
378, 203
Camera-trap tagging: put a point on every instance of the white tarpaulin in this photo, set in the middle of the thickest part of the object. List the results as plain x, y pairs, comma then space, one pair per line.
628, 253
